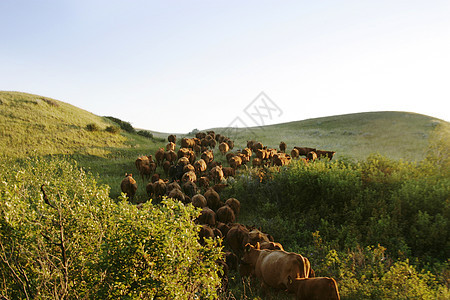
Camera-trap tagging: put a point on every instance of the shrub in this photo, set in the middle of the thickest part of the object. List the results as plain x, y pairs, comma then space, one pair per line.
48, 241
92, 127
157, 250
113, 129
145, 133
70, 240
123, 125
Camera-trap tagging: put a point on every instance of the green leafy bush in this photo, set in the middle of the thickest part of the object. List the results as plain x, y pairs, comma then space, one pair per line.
92, 127
400, 206
70, 240
145, 133
124, 125
113, 129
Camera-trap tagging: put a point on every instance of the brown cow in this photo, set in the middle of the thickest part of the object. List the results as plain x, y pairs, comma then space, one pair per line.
327, 154
247, 152
172, 185
235, 238
225, 215
256, 146
189, 176
170, 156
177, 195
256, 236
207, 156
203, 182
190, 188
200, 166
166, 167
216, 174
318, 288
172, 138
170, 146
256, 162
188, 168
200, 135
271, 246
207, 216
183, 152
224, 148
223, 228
235, 162
283, 147
159, 189
295, 153
205, 233
303, 151
276, 268
129, 186
212, 198
187, 143
183, 161
145, 166
234, 204
199, 201
311, 156
159, 156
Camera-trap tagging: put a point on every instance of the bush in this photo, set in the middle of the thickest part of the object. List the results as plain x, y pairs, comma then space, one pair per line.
145, 133
157, 251
72, 241
113, 129
92, 127
123, 125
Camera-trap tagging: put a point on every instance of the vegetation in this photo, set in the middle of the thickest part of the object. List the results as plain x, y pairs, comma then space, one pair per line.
70, 240
380, 227
396, 135
34, 125
376, 218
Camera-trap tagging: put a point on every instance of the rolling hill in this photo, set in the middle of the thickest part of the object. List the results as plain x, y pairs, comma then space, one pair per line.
40, 125
397, 135
35, 124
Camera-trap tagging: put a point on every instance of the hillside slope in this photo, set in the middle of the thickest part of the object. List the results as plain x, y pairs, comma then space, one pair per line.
40, 125
397, 135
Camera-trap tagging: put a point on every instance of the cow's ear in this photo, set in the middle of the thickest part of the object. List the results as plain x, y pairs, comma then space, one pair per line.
258, 246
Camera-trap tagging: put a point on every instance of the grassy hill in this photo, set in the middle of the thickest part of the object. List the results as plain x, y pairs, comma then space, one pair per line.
397, 135
35, 124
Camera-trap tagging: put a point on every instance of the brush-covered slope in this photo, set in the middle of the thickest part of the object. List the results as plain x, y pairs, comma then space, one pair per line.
36, 125
397, 135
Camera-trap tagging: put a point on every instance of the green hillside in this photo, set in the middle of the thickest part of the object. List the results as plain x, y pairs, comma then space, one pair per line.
35, 124
397, 135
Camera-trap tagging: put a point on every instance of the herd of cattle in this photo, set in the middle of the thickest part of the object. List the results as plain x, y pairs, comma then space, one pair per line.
199, 182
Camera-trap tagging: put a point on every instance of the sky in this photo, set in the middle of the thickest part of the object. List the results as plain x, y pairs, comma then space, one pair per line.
172, 66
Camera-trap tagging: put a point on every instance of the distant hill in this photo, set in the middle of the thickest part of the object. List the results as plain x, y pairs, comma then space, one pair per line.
32, 124
397, 135
41, 125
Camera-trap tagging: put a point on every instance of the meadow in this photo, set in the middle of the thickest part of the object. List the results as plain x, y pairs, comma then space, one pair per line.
376, 217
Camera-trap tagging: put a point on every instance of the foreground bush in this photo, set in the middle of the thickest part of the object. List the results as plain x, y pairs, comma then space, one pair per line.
70, 240
400, 206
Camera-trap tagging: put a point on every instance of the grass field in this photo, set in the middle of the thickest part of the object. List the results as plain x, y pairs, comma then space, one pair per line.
32, 125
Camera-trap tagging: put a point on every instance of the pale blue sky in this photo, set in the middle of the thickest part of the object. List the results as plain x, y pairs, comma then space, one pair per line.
173, 66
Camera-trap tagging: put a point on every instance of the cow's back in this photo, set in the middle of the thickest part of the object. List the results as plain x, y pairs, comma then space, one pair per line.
275, 267
319, 288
